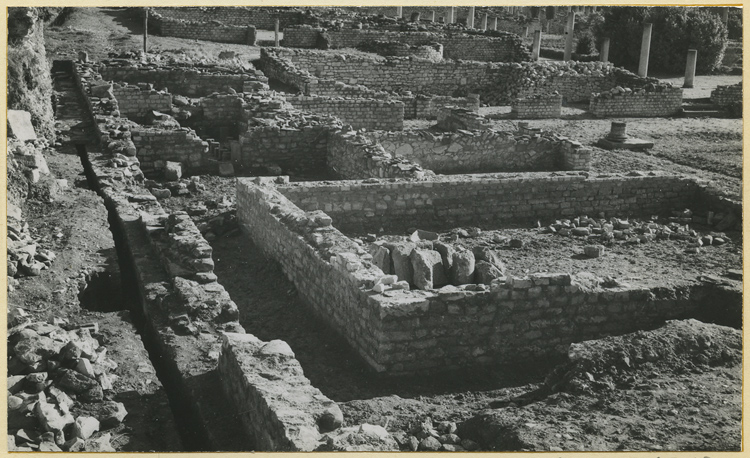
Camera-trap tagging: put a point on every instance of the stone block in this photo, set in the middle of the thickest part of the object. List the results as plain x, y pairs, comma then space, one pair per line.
462, 269
428, 269
402, 266
172, 171
19, 123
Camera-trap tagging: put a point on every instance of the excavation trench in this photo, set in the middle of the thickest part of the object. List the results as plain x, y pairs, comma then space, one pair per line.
98, 296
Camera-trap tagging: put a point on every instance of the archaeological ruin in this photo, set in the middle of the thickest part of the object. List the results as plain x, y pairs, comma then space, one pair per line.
382, 207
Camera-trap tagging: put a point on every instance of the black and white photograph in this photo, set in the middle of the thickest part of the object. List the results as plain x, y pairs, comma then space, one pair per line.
433, 228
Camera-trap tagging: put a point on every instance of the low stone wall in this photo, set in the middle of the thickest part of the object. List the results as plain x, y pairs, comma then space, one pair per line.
432, 51
136, 101
200, 29
499, 83
369, 114
353, 156
303, 149
452, 118
187, 81
506, 47
727, 95
221, 108
489, 200
401, 331
539, 107
428, 107
254, 375
156, 146
639, 102
260, 17
482, 152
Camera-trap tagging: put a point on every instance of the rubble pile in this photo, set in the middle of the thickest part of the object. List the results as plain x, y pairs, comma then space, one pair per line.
26, 254
52, 372
427, 436
636, 231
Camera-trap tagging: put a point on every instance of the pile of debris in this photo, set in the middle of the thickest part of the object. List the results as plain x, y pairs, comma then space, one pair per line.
429, 437
25, 255
635, 231
52, 373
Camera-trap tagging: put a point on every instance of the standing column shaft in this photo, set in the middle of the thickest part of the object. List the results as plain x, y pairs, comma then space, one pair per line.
604, 53
276, 33
470, 19
484, 21
645, 48
725, 15
569, 36
451, 15
432, 16
399, 11
692, 58
145, 30
535, 46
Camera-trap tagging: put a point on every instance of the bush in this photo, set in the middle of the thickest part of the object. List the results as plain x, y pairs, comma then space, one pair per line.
586, 44
675, 30
735, 24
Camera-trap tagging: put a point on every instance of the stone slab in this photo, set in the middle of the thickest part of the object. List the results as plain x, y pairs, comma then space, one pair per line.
19, 123
630, 143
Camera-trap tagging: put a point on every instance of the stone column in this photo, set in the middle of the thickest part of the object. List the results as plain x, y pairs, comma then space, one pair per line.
432, 16
484, 21
725, 15
145, 29
399, 11
536, 45
593, 9
617, 132
451, 15
692, 57
470, 19
645, 48
569, 36
526, 31
604, 52
494, 23
276, 33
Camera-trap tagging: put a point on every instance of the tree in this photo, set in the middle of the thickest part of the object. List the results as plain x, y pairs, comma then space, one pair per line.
675, 30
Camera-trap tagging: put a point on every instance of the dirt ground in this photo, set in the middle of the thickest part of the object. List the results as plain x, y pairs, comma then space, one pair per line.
692, 407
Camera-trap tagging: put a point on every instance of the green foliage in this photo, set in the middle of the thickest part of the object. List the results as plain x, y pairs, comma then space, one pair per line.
586, 44
675, 30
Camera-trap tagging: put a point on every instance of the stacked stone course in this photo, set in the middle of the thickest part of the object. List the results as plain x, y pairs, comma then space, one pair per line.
505, 47
156, 146
201, 29
512, 320
451, 118
260, 17
499, 83
137, 101
353, 156
665, 101
727, 95
369, 114
190, 81
538, 107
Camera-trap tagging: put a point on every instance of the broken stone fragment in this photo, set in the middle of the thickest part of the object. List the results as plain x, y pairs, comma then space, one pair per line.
381, 257
36, 349
84, 427
402, 265
593, 251
462, 271
360, 438
429, 444
100, 444
75, 382
428, 269
331, 419
446, 253
50, 417
486, 272
111, 414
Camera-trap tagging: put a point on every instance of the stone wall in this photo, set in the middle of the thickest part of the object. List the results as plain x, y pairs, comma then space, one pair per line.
727, 95
180, 80
489, 200
452, 118
539, 107
354, 156
260, 17
499, 83
156, 146
159, 248
639, 103
428, 107
253, 373
404, 331
432, 52
482, 152
369, 114
200, 29
298, 149
503, 48
136, 101
221, 108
